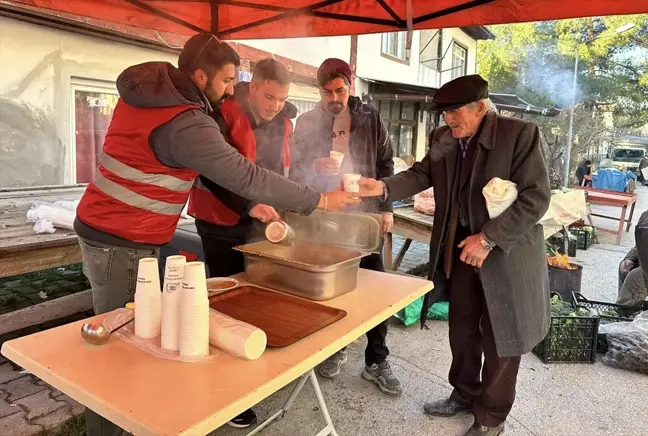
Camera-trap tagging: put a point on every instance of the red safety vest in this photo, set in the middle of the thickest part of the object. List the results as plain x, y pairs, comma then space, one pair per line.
134, 195
203, 204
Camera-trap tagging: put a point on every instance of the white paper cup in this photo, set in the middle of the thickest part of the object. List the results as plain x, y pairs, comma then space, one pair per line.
194, 330
194, 312
339, 157
171, 294
194, 281
351, 182
148, 299
278, 232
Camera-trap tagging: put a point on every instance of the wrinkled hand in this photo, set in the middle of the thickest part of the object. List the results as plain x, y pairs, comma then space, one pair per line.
387, 221
326, 165
264, 213
473, 253
337, 200
371, 188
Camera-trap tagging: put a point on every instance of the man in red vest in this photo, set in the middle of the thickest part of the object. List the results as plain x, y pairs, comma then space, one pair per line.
257, 122
160, 138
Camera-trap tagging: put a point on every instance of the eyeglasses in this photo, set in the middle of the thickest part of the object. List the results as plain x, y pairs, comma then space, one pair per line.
211, 38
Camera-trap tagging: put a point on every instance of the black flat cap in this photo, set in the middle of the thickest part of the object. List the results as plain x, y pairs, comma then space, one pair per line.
460, 92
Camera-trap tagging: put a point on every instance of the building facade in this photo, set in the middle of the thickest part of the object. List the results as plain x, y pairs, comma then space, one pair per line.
57, 90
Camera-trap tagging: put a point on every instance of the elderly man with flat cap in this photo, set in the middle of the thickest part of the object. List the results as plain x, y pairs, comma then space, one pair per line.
496, 267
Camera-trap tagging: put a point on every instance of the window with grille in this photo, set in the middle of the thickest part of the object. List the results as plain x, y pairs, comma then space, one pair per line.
393, 44
459, 57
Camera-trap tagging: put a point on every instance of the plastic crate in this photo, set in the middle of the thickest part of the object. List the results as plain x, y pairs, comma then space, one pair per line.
571, 339
584, 240
626, 314
557, 240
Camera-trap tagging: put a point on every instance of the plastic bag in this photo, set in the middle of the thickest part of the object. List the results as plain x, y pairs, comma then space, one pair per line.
565, 208
627, 343
150, 346
499, 195
424, 202
60, 217
412, 313
44, 226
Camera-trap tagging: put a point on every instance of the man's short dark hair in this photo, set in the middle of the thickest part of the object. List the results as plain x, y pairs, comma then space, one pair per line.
588, 162
206, 52
271, 69
327, 78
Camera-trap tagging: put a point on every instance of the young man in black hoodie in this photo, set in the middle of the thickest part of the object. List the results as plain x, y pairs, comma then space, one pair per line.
256, 121
342, 123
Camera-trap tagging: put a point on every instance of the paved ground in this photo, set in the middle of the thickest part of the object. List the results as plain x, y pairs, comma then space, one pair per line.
552, 400
29, 406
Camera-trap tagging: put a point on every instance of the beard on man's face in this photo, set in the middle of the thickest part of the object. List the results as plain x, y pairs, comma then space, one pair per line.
335, 108
213, 96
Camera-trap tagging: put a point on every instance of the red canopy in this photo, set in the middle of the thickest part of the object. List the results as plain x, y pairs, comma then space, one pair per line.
258, 19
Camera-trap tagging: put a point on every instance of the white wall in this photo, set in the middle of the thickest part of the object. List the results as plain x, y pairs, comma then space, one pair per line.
373, 65
38, 71
311, 51
449, 36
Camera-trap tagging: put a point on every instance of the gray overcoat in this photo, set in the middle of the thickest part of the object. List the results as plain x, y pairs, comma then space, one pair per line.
514, 274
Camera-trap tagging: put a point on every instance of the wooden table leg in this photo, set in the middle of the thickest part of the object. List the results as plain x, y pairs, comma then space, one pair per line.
631, 214
621, 224
388, 251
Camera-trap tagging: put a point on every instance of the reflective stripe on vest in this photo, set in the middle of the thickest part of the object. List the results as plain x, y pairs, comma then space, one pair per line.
160, 180
133, 198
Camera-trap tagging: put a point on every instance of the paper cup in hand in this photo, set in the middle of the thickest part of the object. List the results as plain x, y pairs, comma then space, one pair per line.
171, 293
194, 312
351, 182
338, 157
148, 299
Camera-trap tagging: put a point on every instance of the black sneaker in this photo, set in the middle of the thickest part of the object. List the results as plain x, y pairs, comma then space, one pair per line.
244, 420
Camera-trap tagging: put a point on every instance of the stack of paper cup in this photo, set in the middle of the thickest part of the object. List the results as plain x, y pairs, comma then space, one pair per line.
171, 293
339, 157
148, 299
194, 312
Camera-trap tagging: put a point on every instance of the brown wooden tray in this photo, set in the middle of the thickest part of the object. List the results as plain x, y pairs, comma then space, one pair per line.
284, 318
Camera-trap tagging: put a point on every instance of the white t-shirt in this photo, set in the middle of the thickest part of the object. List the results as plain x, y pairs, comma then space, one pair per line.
341, 138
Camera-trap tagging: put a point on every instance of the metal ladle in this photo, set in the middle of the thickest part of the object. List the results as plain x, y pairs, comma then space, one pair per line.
98, 334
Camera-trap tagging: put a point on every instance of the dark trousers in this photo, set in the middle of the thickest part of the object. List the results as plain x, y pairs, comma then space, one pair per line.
376, 351
221, 259
471, 334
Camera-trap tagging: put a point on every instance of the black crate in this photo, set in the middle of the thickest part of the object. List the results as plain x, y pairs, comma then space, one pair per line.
584, 240
626, 313
571, 339
558, 242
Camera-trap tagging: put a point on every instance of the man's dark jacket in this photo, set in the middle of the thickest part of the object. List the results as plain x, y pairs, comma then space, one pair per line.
514, 275
369, 145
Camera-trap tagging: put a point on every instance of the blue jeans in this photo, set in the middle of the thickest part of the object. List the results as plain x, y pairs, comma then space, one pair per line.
112, 273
